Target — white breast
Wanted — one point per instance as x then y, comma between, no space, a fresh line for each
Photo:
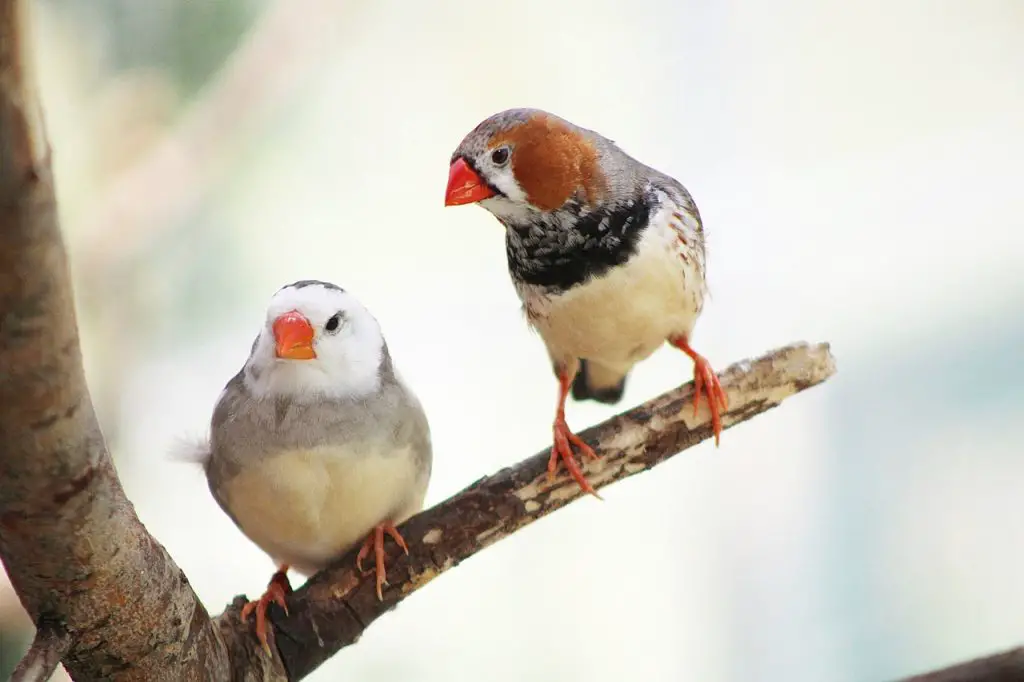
623,316
306,507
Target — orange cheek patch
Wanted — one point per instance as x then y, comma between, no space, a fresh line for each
551,162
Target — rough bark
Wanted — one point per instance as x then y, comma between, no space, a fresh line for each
1006,666
74,550
51,644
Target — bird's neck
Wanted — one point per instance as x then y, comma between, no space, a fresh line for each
303,381
560,249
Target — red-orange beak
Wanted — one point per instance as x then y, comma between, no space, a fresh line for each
293,335
464,185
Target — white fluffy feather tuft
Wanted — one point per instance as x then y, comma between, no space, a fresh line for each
190,449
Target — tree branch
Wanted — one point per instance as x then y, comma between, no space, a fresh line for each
1006,666
74,550
333,609
50,645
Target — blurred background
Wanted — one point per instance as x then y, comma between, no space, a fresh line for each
858,168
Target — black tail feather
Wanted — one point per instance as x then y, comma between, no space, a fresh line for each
581,389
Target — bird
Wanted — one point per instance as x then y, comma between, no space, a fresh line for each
317,444
607,256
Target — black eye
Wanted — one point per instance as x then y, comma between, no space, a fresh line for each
499,157
333,323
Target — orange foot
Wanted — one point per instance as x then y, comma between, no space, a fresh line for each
375,540
565,439
277,588
562,449
705,381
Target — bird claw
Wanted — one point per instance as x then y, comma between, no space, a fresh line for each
277,589
564,440
706,383
375,541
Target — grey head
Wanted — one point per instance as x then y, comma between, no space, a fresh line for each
573,203
531,160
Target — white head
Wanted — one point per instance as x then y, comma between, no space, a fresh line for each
318,341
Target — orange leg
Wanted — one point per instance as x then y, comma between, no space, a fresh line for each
375,540
277,588
565,439
705,381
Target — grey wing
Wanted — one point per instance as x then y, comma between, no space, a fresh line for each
413,428
421,442
682,197
218,465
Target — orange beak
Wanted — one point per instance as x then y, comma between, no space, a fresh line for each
464,185
293,335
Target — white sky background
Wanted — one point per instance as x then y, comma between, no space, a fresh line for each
858,168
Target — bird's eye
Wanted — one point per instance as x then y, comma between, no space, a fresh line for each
333,323
499,157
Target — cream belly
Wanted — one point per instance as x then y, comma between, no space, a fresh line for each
306,507
624,316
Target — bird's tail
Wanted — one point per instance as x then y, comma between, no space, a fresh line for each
600,383
191,449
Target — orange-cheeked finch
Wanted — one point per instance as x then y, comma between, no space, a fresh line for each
606,254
